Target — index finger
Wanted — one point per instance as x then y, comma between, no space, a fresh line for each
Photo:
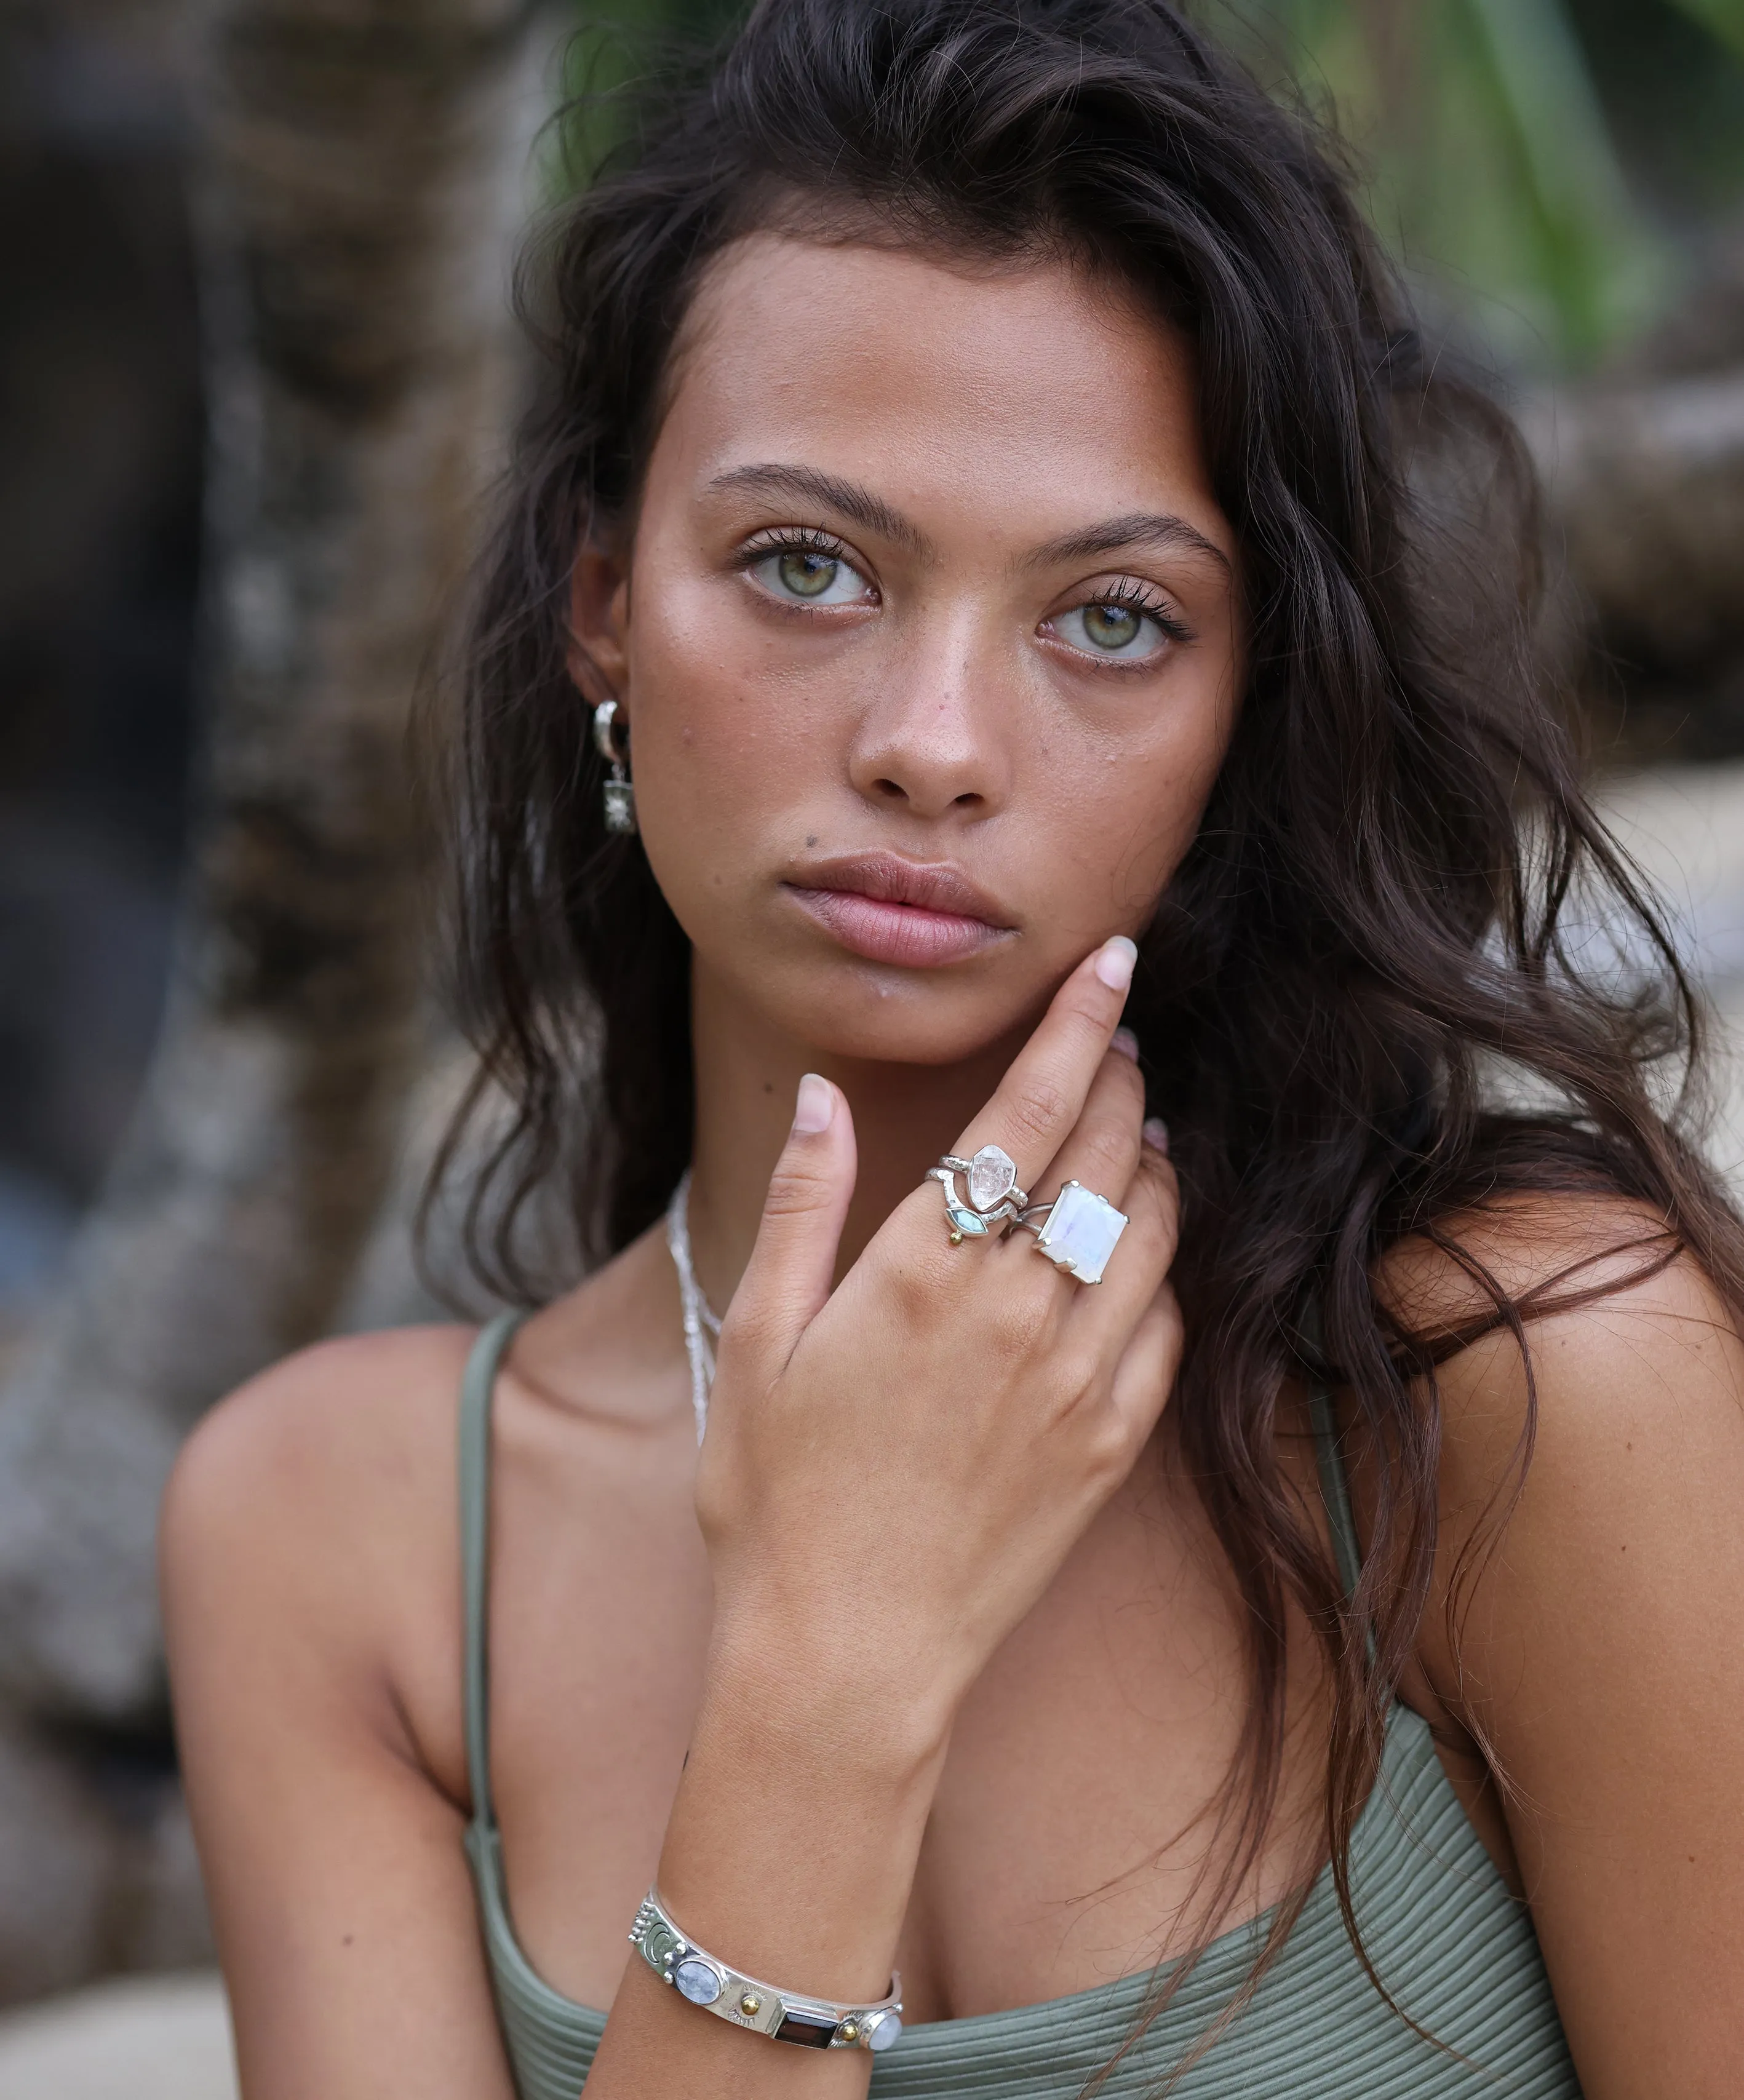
1036,1105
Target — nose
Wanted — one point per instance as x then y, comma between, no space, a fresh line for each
933,736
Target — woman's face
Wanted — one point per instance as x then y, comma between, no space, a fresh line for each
928,643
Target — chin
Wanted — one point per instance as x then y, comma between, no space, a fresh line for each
888,1016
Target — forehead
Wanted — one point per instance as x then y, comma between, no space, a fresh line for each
1033,392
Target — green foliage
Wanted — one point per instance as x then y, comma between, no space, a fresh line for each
1725,18
1490,162
1488,165
612,45
1488,159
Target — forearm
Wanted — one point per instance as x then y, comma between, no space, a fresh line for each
790,1854
849,1624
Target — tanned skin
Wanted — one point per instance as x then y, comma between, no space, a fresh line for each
933,1661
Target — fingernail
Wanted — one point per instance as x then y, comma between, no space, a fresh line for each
1156,1134
1114,965
815,1106
1126,1043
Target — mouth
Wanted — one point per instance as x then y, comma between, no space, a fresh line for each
918,916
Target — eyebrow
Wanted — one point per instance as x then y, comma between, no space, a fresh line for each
1138,528
849,500
808,485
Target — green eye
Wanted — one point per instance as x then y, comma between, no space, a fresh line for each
811,574
1112,630
1111,626
806,573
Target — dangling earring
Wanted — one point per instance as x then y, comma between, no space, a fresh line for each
621,790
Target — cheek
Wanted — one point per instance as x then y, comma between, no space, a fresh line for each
727,742
690,688
1119,816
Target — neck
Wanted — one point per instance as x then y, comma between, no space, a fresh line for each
748,1072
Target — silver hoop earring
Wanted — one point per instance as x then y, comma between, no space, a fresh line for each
620,789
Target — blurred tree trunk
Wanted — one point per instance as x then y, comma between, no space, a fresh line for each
1643,471
363,165
1646,482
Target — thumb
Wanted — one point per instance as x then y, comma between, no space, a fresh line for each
792,1265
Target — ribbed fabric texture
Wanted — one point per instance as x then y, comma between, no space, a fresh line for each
1455,1949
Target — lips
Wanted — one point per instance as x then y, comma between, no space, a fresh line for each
889,910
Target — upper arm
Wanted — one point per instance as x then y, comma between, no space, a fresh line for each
1597,1650
298,1529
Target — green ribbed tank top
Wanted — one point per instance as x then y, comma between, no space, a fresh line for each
1455,1949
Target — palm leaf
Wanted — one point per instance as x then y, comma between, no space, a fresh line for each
1491,169
1725,18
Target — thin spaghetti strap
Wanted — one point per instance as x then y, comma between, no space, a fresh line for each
477,1387
1334,1489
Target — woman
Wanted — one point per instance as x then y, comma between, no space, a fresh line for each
989,507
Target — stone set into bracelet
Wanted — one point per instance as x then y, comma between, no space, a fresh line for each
788,2016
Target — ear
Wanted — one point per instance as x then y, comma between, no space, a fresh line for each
599,660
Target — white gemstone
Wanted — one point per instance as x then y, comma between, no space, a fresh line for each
1081,1232
699,1980
992,1175
620,805
883,2030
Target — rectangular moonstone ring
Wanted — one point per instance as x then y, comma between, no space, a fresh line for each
1082,1229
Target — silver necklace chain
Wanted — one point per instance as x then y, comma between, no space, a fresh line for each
702,1326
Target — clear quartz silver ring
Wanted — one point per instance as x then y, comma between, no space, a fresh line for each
1078,1231
993,1197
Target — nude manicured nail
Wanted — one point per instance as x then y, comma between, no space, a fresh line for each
1114,965
816,1106
1156,1134
1126,1043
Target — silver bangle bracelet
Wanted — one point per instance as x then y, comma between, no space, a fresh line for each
783,2015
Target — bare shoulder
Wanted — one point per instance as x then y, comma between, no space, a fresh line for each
1540,1250
1623,1333
363,1421
311,1608
1592,1480
308,1535
310,1529
1586,1632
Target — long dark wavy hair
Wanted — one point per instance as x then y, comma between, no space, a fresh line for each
1383,933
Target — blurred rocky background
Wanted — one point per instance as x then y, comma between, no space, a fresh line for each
254,370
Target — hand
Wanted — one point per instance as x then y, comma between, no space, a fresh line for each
894,1471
